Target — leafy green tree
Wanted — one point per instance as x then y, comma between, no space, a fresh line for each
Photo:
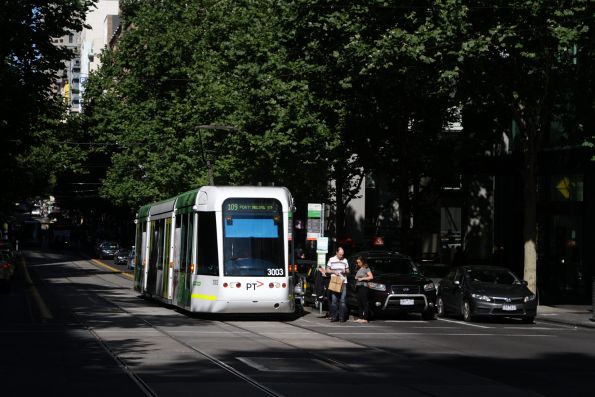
33,123
305,91
203,63
383,75
520,54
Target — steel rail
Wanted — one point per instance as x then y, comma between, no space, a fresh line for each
209,357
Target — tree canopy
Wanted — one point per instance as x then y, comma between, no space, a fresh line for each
34,127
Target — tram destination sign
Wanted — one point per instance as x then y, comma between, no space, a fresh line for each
239,207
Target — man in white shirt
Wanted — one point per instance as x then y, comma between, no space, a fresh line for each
338,265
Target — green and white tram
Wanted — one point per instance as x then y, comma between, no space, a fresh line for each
218,249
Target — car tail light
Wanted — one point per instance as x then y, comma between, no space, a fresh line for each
238,285
284,285
271,285
225,285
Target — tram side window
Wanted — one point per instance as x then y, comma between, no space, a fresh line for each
183,241
153,245
189,237
167,242
159,240
138,242
207,259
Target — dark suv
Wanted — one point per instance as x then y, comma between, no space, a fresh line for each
398,285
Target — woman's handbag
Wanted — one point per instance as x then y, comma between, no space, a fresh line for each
336,283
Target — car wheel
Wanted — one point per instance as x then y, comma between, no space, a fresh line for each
440,307
466,311
528,319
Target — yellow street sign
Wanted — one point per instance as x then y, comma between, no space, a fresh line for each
564,187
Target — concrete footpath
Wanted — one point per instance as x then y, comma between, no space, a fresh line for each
574,315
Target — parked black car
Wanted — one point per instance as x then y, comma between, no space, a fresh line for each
121,256
476,291
7,269
398,285
107,249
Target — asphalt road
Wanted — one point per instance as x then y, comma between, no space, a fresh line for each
74,326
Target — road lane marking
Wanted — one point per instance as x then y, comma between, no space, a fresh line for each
130,276
463,323
438,334
44,311
404,321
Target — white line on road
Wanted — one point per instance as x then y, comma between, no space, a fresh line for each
438,334
463,323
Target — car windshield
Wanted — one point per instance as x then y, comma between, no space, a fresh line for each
434,271
492,276
392,265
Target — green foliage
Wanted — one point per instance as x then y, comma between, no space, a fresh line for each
34,128
204,63
312,90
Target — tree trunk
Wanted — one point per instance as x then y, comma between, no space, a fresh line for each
404,184
405,216
530,214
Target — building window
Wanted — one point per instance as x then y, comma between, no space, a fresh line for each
70,38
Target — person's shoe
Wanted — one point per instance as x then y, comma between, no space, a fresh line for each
363,321
334,320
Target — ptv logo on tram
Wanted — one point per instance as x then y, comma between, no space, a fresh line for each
253,286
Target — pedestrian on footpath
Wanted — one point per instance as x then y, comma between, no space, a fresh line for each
362,277
338,265
321,282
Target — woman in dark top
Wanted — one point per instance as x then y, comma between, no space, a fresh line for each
363,275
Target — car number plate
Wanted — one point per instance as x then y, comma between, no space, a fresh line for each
509,307
406,302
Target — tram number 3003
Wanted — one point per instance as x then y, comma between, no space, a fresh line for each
274,272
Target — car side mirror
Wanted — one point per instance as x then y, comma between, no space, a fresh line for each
524,282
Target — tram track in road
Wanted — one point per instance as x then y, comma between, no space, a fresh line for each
281,340
147,390
242,330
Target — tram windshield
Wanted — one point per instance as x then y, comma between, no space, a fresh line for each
253,243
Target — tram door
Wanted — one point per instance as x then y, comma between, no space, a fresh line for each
140,257
152,262
160,257
176,258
